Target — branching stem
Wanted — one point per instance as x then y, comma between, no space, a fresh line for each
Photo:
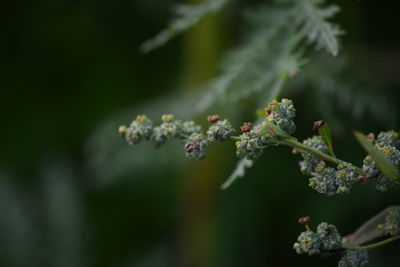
374,245
292,142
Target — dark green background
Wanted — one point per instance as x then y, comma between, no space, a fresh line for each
70,73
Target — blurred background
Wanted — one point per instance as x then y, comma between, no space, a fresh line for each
73,193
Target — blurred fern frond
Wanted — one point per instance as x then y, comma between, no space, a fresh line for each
268,58
359,95
273,52
186,15
314,22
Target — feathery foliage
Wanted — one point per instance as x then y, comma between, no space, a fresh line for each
186,15
315,25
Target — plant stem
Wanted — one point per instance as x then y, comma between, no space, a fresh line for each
235,138
302,147
374,245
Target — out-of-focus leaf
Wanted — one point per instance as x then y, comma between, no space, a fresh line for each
186,16
239,171
382,162
368,231
110,157
358,95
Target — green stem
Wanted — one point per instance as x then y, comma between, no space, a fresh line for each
374,245
292,142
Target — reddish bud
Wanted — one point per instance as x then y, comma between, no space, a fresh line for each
246,127
318,126
213,118
304,220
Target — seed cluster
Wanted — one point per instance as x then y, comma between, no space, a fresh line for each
392,223
220,131
330,181
251,144
354,258
282,114
195,141
388,143
140,128
310,161
326,238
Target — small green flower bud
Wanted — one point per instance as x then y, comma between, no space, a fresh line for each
282,114
390,138
311,161
371,170
392,223
190,127
158,138
329,181
220,131
122,130
307,243
247,147
354,258
196,146
346,177
324,183
167,117
329,236
140,128
172,129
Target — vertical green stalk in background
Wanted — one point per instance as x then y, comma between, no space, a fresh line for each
199,183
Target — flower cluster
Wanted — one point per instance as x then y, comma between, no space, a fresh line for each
354,258
282,114
140,128
326,238
332,181
310,162
220,130
195,142
308,242
388,143
251,144
390,138
392,223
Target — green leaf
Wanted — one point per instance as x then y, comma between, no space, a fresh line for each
368,231
381,160
239,171
269,128
325,132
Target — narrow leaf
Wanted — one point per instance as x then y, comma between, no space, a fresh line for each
368,230
325,132
381,160
269,128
